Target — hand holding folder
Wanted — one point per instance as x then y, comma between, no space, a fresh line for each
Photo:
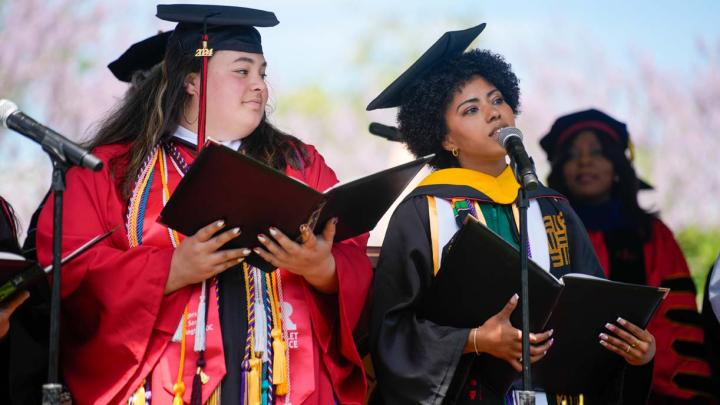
225,184
480,271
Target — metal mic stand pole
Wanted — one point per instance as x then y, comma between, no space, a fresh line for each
527,395
51,392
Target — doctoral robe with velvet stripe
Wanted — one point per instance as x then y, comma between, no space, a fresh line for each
680,368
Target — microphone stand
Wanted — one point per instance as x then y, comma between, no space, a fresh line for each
527,395
52,391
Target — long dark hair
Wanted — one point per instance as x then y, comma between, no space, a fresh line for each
150,113
624,189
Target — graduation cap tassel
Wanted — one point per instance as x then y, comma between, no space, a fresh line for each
204,53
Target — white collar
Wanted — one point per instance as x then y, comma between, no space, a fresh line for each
190,137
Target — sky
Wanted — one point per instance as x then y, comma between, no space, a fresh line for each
311,40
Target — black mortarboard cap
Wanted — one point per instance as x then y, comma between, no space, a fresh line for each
451,44
567,126
228,28
140,56
204,29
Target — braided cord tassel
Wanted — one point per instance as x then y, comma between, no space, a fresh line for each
179,387
251,364
279,346
268,357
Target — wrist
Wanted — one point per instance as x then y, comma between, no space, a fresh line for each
472,345
324,276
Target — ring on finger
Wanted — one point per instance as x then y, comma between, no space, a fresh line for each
635,344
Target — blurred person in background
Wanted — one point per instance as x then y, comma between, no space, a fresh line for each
591,157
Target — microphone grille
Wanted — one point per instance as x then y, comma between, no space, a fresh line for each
7,107
506,133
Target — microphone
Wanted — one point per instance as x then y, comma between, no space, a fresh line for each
54,143
511,140
385,131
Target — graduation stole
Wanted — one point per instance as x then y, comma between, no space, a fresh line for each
159,157
265,365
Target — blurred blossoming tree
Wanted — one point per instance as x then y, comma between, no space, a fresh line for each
50,66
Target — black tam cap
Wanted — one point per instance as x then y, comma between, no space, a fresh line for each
229,28
451,44
140,56
566,127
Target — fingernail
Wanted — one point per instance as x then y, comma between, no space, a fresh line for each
303,228
273,231
245,252
256,250
610,326
515,298
621,321
603,336
240,259
236,231
551,341
334,221
545,352
602,342
220,223
262,238
552,331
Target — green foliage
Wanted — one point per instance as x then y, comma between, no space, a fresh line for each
701,248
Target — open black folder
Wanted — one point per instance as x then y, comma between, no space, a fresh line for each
480,272
225,184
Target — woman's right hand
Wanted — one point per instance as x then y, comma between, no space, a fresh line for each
500,339
197,258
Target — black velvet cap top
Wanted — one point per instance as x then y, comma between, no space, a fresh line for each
140,56
450,45
228,28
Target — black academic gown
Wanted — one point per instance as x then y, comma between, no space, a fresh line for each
24,351
417,361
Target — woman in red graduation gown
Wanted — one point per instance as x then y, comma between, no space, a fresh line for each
149,315
589,165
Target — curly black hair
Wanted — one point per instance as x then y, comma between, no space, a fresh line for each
421,116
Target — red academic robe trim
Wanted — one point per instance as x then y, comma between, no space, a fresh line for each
664,260
117,320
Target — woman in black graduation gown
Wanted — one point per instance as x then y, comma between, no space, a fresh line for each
452,104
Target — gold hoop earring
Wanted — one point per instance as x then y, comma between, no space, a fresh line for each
455,152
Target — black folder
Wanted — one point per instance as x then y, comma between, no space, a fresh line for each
225,184
480,272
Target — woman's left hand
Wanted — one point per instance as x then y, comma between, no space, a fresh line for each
311,259
635,345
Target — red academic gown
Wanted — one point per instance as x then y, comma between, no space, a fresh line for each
117,321
665,266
